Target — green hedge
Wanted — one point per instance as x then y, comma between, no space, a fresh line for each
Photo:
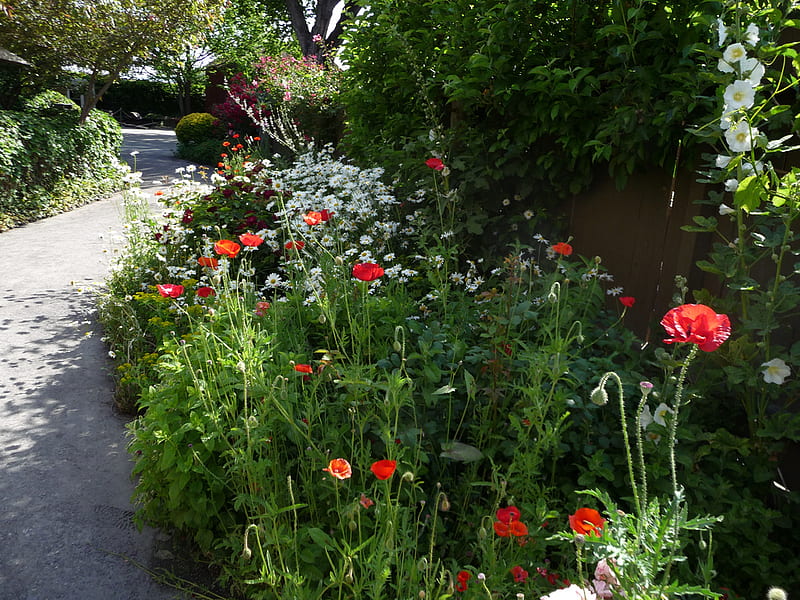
50,162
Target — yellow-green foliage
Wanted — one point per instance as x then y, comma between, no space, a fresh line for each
196,127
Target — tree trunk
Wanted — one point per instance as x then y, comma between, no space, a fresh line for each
327,42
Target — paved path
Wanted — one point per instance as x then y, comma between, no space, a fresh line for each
65,488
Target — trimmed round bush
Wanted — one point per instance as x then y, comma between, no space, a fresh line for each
196,127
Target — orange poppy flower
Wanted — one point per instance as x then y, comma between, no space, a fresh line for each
227,248
313,218
304,368
208,261
251,240
294,245
383,469
339,468
586,521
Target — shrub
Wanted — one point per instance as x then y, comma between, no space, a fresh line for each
50,162
197,127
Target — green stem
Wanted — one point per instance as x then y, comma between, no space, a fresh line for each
673,426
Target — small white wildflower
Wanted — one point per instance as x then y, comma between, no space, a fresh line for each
528,214
724,209
506,201
615,291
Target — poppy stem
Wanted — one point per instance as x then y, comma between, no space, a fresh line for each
673,426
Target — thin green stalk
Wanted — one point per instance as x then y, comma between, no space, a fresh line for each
673,426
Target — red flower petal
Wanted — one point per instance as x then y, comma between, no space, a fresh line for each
367,271
383,469
586,521
251,240
508,514
435,163
339,468
696,324
562,248
627,301
170,290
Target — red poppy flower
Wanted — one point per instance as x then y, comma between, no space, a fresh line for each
208,261
205,291
366,502
251,240
367,271
159,193
339,468
170,290
304,368
256,139
261,308
435,163
586,521
226,143
227,248
697,324
325,214
520,574
512,529
313,217
462,577
383,469
627,301
508,514
294,245
562,248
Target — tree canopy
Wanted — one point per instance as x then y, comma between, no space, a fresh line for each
102,38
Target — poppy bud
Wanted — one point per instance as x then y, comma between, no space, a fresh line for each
322,318
408,476
776,593
421,595
599,396
422,564
339,260
580,539
246,553
397,346
352,525
444,505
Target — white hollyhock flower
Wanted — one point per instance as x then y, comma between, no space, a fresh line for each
722,31
776,371
726,121
751,34
748,168
722,161
740,136
660,416
646,417
724,209
739,94
753,69
731,185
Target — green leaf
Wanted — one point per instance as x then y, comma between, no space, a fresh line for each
750,193
461,452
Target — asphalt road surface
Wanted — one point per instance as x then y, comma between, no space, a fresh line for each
65,487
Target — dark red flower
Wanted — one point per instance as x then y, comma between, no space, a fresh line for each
586,521
520,574
294,245
251,240
562,248
462,577
227,248
205,291
697,324
435,163
170,290
367,271
627,301
383,469
326,215
188,216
